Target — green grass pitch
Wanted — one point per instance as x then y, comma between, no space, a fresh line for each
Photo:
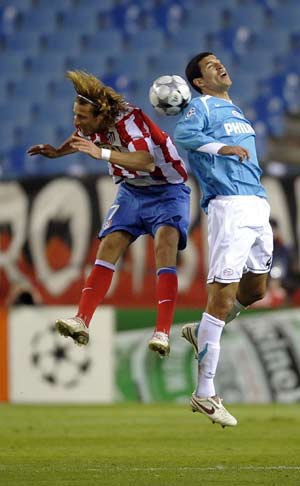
136,444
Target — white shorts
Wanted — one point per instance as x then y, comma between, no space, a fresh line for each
240,237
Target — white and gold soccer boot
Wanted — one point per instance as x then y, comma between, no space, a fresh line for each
190,332
159,343
213,408
75,328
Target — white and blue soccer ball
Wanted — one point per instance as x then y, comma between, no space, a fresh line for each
169,94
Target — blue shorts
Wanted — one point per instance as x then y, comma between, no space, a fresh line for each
142,210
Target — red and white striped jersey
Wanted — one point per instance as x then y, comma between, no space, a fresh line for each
133,131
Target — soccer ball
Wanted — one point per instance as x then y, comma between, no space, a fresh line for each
169,94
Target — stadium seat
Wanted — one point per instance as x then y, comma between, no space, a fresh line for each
101,39
43,133
60,89
39,19
47,112
89,61
258,60
148,39
287,17
18,4
12,111
60,41
55,4
51,63
23,41
11,64
171,62
276,40
205,18
191,39
31,88
243,89
81,18
251,16
134,64
104,5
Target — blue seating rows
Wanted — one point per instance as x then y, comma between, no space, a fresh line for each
130,43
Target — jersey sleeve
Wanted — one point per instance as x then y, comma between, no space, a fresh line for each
191,129
135,133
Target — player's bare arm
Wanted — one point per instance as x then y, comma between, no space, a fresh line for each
51,152
140,160
241,152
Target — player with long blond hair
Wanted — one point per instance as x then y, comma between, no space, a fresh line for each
152,198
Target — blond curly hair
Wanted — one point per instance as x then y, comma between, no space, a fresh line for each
91,90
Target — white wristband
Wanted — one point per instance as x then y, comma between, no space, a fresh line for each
105,154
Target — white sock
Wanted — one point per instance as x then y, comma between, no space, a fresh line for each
209,335
235,311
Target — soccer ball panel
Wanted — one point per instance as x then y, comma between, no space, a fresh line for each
169,94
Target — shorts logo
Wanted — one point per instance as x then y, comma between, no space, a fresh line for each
107,224
228,272
268,263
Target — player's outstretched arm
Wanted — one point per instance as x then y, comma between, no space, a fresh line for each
140,160
51,152
241,152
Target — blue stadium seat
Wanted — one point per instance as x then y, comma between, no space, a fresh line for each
258,61
251,16
205,18
11,64
243,88
191,39
104,5
60,89
47,112
23,41
91,62
39,19
101,39
81,18
287,17
51,63
173,61
55,4
273,39
12,111
43,133
18,4
60,41
148,39
134,64
34,87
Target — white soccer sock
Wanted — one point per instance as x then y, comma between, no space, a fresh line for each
209,335
235,311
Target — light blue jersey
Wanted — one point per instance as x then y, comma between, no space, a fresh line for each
209,121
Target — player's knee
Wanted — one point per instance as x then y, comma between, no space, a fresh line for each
220,307
257,294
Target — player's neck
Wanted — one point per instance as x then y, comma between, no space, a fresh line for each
218,94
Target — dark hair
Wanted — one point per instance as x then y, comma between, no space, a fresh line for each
193,70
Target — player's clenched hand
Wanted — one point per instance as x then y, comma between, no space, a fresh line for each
43,149
241,152
86,146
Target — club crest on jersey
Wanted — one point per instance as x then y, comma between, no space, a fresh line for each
238,114
190,113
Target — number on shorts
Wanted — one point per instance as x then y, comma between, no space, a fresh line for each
114,208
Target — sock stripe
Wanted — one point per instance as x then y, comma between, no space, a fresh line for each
162,270
105,264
